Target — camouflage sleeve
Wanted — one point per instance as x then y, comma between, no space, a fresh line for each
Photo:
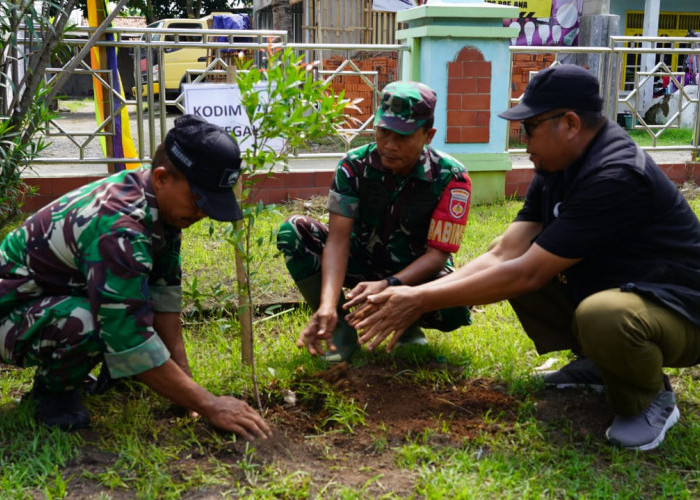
450,216
117,266
343,198
165,279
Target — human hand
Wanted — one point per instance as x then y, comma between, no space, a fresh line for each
363,290
391,311
231,414
319,331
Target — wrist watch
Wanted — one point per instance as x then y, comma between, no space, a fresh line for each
393,281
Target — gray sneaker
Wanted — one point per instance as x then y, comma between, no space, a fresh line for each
580,373
647,430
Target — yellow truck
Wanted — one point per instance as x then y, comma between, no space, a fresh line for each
177,61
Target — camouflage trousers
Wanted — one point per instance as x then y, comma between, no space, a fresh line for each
301,240
56,334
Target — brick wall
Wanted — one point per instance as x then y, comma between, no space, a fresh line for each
50,188
354,85
468,97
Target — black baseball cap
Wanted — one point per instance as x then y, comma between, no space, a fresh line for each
562,86
210,159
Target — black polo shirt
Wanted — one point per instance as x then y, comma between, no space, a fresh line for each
615,209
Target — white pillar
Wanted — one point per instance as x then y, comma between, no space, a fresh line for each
651,28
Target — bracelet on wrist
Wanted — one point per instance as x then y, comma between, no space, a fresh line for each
393,281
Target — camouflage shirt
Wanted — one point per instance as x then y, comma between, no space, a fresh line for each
397,217
103,241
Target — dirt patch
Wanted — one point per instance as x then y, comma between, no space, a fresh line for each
437,407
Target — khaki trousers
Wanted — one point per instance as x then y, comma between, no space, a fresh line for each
629,337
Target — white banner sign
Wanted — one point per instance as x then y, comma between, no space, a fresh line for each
220,103
392,5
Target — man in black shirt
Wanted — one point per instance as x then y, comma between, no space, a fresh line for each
603,259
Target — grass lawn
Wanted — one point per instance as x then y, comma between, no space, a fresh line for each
669,137
461,418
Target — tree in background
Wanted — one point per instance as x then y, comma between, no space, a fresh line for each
153,10
28,40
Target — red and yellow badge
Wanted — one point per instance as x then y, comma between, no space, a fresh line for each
459,203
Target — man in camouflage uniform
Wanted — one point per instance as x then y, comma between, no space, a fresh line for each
95,277
397,210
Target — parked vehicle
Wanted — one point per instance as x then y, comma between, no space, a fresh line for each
177,61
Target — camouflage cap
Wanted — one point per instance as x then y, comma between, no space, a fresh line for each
405,107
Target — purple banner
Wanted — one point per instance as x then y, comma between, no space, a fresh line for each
561,28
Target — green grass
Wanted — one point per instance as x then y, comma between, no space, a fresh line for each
73,105
141,447
669,137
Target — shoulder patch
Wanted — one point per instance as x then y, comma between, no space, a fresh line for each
459,202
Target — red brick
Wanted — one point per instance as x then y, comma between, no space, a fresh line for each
470,54
34,203
256,195
474,134
516,190
454,70
453,135
299,179
461,86
483,118
693,174
43,185
454,101
510,190
468,67
520,175
461,118
275,181
483,85
478,69
62,185
323,179
477,102
677,172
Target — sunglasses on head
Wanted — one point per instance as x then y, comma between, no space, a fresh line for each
529,127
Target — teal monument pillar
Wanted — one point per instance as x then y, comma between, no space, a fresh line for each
460,49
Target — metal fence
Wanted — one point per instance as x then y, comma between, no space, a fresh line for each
632,93
152,108
149,119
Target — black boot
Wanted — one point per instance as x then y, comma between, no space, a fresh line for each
413,335
344,336
64,409
100,384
